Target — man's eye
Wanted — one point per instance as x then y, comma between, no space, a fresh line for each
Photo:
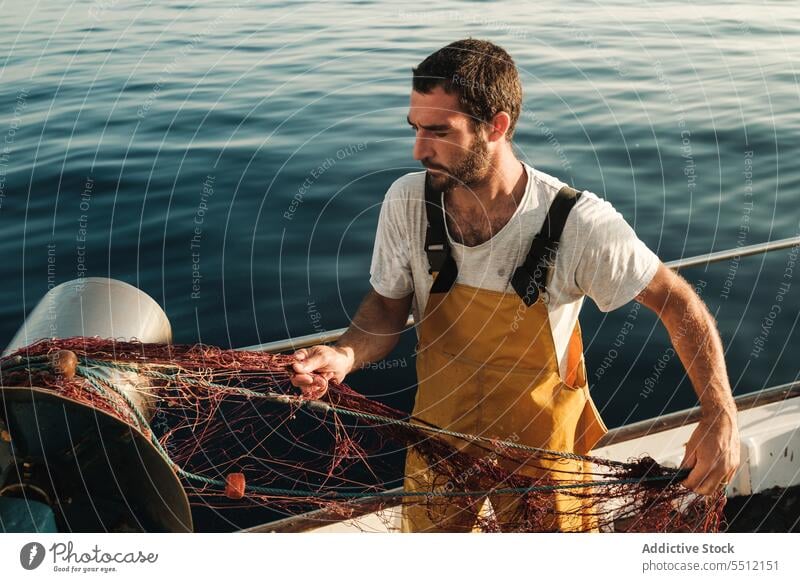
441,134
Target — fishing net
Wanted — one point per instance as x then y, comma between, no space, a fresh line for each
236,432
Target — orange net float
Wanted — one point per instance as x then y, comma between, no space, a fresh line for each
64,362
234,485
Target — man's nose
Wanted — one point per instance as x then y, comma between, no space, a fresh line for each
422,148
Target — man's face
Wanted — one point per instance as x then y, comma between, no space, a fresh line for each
445,142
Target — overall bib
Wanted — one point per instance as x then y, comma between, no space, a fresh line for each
487,366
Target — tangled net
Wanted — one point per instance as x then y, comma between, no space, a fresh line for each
235,430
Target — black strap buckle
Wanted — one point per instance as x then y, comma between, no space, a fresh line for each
437,254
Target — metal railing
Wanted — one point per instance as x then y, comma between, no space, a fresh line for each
313,339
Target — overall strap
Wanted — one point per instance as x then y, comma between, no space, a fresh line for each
530,278
437,247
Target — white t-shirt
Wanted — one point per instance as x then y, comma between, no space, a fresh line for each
599,254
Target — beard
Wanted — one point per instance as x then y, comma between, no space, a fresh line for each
470,170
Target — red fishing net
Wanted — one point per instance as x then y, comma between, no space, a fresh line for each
236,432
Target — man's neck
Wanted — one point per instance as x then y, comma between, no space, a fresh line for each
507,179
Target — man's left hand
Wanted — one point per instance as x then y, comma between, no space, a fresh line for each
712,452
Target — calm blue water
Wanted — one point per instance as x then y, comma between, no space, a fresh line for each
275,130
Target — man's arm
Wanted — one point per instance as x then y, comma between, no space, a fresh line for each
373,333
713,448
375,329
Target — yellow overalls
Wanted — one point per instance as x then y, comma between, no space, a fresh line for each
487,366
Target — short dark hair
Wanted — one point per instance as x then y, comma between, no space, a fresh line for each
482,74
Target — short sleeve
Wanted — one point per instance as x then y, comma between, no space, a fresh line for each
390,271
615,265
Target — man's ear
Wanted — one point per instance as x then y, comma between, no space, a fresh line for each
498,126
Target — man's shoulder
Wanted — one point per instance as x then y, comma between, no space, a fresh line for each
547,187
594,211
410,187
590,211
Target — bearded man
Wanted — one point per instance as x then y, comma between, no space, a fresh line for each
494,257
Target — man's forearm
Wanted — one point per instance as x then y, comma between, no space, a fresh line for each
375,329
694,336
712,451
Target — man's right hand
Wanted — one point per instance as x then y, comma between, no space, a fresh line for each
318,364
372,334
